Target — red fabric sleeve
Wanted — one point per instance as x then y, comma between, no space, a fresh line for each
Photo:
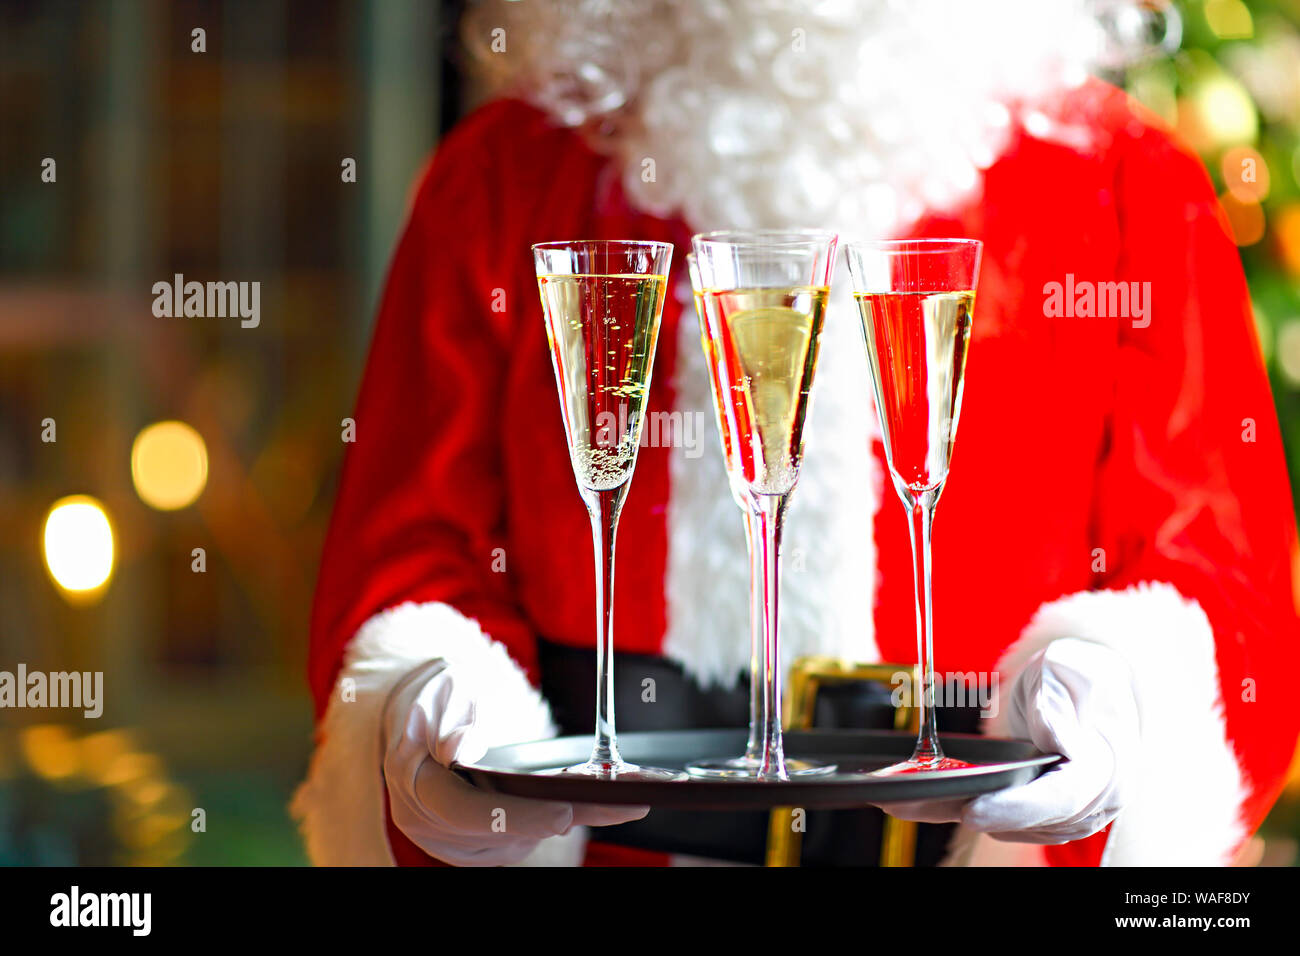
1193,490
420,506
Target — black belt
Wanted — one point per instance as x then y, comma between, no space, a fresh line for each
833,837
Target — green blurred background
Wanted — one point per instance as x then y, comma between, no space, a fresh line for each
225,164
220,165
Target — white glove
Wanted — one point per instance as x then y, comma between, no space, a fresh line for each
1074,698
431,720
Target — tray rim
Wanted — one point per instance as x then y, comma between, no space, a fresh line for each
722,794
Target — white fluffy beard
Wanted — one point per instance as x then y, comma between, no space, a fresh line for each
855,115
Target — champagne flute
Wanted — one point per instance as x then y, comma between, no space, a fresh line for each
761,298
602,301
916,299
747,763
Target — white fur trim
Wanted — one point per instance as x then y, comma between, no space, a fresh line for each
829,555
340,806
1185,808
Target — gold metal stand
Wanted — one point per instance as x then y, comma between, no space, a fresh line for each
807,676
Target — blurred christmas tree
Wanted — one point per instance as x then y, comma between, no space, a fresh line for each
1233,93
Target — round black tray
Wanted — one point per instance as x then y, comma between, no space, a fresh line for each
520,770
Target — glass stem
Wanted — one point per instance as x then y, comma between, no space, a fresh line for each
767,531
921,517
604,508
754,748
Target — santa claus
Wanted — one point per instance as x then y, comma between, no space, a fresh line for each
1117,536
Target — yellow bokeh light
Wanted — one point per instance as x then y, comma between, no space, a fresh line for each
101,751
1217,112
50,751
1227,111
169,465
127,768
1229,19
78,543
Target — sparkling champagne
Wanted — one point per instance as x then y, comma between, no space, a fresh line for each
916,344
761,346
602,331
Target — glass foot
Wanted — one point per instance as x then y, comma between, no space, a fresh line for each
621,770
921,765
746,768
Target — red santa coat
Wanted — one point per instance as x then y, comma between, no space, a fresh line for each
1118,480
